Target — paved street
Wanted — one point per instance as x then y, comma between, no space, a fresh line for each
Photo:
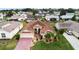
72,40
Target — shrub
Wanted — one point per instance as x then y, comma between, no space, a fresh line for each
48,36
61,31
17,36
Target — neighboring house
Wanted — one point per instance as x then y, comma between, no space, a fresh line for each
18,17
68,16
8,29
39,14
77,17
51,17
70,26
1,16
64,25
77,13
56,12
30,18
29,13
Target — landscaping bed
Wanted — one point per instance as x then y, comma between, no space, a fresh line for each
62,44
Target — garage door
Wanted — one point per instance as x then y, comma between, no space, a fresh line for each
26,34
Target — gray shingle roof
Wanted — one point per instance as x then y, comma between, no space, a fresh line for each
9,28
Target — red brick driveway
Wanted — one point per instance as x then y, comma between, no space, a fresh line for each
24,44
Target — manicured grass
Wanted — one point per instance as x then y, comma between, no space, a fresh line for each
62,44
8,44
11,44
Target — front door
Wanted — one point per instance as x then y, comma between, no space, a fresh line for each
37,30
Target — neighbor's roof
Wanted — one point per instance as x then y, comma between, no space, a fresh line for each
66,16
71,25
12,25
74,27
17,17
52,16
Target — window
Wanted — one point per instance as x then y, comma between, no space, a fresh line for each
3,34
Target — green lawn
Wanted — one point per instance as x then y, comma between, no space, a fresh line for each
8,44
62,44
11,44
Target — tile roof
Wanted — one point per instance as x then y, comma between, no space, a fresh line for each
45,25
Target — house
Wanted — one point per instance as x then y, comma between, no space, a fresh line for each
77,17
64,25
18,17
77,13
68,16
29,13
30,18
1,16
52,17
39,14
70,26
56,12
38,27
8,29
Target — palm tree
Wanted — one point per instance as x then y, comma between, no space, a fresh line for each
49,36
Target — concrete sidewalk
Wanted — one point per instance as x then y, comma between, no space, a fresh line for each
72,40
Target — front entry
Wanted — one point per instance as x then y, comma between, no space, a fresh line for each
37,30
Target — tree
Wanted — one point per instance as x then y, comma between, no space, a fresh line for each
48,36
27,10
62,12
70,10
9,13
61,31
74,18
51,11
55,29
43,19
34,11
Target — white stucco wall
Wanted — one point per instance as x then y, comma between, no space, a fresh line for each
9,35
13,33
6,33
75,33
26,35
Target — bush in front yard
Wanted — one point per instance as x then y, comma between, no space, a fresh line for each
61,31
17,36
49,36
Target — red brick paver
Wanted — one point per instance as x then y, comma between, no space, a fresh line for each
24,44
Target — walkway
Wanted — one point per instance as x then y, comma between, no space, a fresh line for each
24,44
72,40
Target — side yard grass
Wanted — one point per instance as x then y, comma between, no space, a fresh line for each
11,44
8,44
